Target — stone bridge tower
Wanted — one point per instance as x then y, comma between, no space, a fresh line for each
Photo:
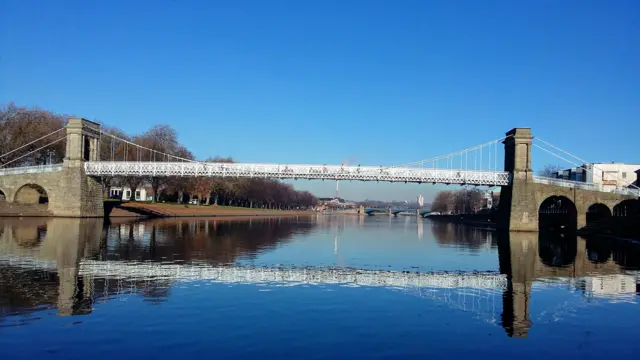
85,196
518,208
83,142
521,201
71,193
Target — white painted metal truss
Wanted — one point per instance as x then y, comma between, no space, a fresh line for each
318,172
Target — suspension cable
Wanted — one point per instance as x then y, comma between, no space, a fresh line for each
452,154
583,161
581,166
31,152
146,148
562,151
36,140
556,155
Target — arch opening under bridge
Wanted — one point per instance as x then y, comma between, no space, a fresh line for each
32,194
627,208
598,212
557,213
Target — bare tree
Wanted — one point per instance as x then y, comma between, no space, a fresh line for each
175,184
550,170
463,201
443,202
468,201
19,126
202,188
160,141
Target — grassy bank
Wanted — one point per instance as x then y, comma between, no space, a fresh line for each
132,209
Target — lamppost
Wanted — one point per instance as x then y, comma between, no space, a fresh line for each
50,153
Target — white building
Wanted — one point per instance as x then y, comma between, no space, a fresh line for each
608,176
611,176
142,193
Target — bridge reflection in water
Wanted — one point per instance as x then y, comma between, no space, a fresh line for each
71,264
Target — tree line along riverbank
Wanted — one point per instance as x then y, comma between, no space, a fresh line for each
21,125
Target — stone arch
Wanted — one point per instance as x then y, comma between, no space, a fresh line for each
3,196
597,212
626,216
557,212
628,208
32,194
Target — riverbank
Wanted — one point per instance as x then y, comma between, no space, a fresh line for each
474,220
134,209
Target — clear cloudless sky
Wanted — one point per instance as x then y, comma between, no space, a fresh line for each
321,81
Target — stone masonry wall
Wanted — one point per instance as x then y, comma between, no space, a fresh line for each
523,198
71,193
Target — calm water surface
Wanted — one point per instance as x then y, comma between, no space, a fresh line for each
310,287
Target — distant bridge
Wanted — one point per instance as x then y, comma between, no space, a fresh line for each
371,211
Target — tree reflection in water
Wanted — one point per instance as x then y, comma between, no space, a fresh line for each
524,258
213,241
67,241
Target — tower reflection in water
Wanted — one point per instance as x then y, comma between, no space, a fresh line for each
41,259
527,257
598,267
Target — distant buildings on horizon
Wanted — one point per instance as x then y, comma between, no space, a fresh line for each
608,176
336,203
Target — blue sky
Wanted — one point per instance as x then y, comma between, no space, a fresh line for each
381,82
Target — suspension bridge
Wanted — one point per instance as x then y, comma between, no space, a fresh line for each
74,189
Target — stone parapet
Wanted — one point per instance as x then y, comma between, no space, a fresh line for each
70,192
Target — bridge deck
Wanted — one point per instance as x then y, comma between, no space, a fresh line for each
310,172
279,171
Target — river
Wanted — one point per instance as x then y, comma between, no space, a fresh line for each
318,287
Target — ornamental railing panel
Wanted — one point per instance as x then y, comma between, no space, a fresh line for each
566,183
319,172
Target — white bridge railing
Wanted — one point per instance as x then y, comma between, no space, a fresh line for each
630,192
583,185
320,172
31,169
566,183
